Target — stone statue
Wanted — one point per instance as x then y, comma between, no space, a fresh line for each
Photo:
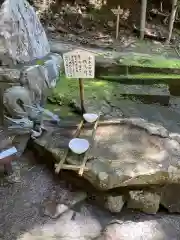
28,68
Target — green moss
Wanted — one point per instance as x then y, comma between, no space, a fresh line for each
145,76
62,111
155,76
68,90
95,90
141,60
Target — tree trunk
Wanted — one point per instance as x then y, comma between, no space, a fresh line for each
172,18
143,18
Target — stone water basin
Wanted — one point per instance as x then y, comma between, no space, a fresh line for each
128,153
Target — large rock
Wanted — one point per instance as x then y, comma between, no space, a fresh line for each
112,203
146,201
141,227
23,38
132,152
170,198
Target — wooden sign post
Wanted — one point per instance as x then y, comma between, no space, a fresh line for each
117,12
79,64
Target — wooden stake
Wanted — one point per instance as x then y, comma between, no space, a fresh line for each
143,18
171,20
117,12
161,6
117,22
62,161
82,167
81,88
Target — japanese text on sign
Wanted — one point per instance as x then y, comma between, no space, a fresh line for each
79,64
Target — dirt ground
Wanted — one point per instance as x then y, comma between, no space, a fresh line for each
94,25
21,208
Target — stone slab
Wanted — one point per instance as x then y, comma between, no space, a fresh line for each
165,116
170,197
131,153
146,201
149,94
108,62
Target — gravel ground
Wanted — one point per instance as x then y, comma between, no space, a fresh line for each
21,207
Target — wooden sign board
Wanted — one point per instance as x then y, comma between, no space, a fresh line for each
117,11
79,64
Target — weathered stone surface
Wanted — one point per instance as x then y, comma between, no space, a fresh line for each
23,38
114,203
145,201
132,152
57,61
9,75
70,226
112,231
10,101
39,78
94,105
149,227
53,209
54,66
165,116
149,94
126,155
35,79
170,198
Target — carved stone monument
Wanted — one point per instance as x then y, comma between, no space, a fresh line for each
28,68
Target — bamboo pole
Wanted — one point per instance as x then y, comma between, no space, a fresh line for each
62,161
82,167
71,167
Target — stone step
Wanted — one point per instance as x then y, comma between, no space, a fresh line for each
113,66
112,62
148,94
143,79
